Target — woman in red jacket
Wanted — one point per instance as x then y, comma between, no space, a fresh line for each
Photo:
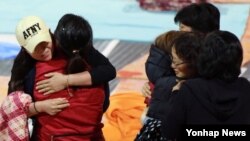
82,119
38,44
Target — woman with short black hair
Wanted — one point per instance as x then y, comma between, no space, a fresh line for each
219,97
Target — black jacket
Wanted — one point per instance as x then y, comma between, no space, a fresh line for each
160,95
158,65
207,102
159,72
103,71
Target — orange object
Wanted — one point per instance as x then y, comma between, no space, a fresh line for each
122,120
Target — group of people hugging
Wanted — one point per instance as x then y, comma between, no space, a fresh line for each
194,81
60,80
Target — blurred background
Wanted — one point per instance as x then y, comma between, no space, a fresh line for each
123,31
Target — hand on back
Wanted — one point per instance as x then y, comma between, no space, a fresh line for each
146,90
55,82
52,106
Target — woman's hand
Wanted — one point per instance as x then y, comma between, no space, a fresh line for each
146,90
55,82
51,106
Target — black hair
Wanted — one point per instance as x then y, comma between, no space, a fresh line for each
203,17
74,36
23,63
214,15
221,56
187,47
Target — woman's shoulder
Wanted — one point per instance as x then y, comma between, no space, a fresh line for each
167,80
208,84
243,80
195,81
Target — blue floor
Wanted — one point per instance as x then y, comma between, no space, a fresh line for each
110,19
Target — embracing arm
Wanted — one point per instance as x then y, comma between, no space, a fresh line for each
57,81
50,106
175,115
102,72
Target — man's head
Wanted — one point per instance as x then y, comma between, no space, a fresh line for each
33,34
201,17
